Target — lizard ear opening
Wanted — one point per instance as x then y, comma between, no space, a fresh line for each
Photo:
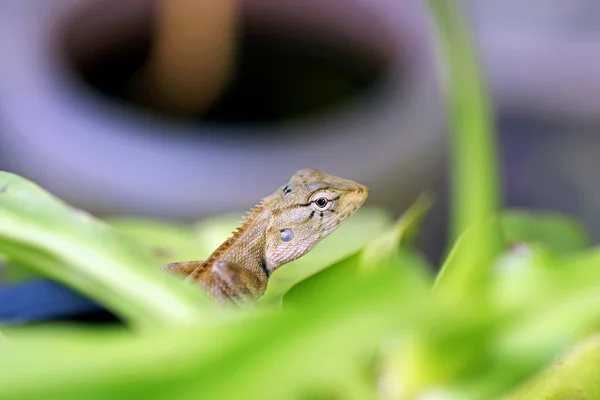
286,234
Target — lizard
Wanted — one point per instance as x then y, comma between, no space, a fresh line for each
281,228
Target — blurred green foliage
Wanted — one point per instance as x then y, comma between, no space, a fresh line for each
558,232
45,235
361,317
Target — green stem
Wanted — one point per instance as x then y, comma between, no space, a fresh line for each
475,178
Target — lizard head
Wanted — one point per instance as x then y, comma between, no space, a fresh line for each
311,206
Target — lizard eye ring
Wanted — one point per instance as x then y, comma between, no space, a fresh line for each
322,202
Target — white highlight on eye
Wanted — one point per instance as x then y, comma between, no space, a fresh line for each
286,234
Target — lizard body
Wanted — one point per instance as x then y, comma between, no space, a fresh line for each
282,228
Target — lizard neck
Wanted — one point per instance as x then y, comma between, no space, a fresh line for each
247,245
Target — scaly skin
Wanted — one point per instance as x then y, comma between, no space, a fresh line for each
282,228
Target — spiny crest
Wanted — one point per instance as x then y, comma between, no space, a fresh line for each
248,218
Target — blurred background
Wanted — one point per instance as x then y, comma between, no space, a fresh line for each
181,109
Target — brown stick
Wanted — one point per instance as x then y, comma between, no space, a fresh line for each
192,57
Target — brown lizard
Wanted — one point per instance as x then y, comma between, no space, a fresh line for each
282,228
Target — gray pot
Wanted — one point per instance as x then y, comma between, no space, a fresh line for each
106,157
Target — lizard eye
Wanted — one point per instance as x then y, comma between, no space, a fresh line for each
322,202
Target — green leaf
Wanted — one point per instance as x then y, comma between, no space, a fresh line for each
14,272
465,276
440,354
48,236
559,233
532,279
533,340
574,376
309,289
268,355
164,241
401,234
553,301
546,303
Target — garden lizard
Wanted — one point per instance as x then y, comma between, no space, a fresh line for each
282,228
